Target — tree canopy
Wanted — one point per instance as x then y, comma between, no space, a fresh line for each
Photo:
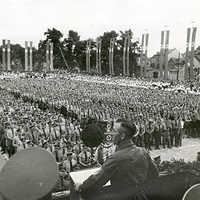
70,52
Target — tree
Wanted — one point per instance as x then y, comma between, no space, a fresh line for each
105,50
118,52
69,45
79,53
17,57
134,52
72,50
39,56
54,36
73,36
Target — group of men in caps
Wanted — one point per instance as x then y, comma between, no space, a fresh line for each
162,117
159,118
24,126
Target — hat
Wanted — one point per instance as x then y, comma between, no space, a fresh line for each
34,179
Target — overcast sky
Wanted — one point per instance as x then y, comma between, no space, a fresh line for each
22,20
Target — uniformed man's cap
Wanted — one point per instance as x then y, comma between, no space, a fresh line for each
29,175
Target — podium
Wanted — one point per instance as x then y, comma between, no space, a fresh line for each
80,177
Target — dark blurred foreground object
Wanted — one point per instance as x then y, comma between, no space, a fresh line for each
92,135
192,193
173,187
170,187
30,174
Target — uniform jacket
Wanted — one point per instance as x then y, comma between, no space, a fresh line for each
129,165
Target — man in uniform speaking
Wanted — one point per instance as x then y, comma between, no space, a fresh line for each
128,167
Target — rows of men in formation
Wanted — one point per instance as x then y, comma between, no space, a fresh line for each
162,117
24,125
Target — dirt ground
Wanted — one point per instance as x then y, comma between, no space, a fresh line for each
188,151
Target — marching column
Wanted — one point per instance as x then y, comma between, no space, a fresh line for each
166,55
8,56
192,53
4,54
186,75
161,60
31,56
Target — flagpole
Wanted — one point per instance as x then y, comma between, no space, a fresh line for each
192,53
124,56
161,55
187,54
166,55
142,56
128,48
146,52
100,57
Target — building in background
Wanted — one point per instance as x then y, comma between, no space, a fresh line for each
175,65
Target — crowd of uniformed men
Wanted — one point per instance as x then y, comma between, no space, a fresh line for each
48,112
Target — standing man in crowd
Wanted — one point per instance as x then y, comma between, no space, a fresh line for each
129,166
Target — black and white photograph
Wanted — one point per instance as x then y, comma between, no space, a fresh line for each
100,100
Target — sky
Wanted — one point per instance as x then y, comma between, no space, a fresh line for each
22,20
